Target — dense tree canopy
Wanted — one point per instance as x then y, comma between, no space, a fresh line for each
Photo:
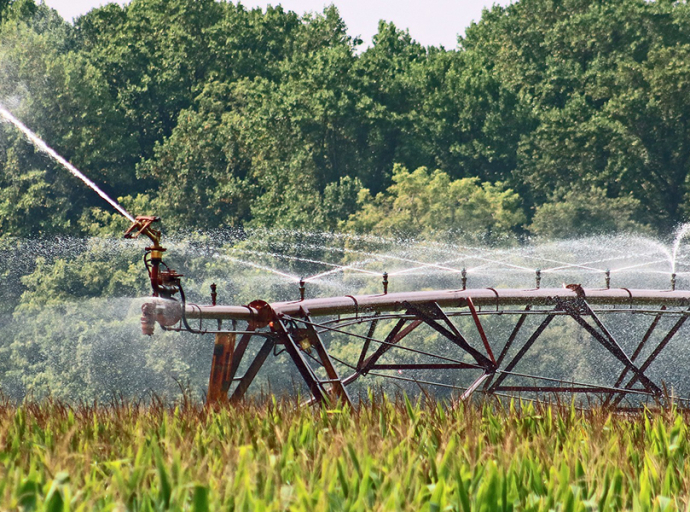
422,202
213,115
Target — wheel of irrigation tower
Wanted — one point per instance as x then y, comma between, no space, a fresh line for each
606,344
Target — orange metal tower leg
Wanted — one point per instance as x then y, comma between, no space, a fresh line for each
218,383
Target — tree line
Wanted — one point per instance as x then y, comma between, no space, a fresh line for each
551,117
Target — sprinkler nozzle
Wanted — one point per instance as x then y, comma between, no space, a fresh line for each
142,226
385,283
148,319
537,277
673,281
301,289
608,279
214,295
165,282
162,311
464,278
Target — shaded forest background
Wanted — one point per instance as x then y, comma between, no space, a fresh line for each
551,117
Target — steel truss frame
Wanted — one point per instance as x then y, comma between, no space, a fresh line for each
297,328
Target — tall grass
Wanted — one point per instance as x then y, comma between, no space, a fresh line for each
389,455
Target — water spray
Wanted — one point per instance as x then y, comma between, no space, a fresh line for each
297,327
681,233
42,146
165,282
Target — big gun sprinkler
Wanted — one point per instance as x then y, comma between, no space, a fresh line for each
165,282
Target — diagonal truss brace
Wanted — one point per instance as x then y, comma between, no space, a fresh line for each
323,391
430,313
576,309
304,343
660,347
604,337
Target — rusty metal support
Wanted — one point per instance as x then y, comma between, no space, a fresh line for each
394,336
227,356
608,342
253,369
223,352
367,342
660,347
640,346
294,350
429,313
508,344
528,344
299,327
636,353
513,335
482,334
337,387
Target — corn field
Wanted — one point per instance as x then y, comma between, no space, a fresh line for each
391,454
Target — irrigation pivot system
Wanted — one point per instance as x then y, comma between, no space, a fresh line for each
429,338
390,332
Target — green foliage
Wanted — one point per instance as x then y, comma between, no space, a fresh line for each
580,212
224,116
390,455
421,202
100,270
597,77
4,4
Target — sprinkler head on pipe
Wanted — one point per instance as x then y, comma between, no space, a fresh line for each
464,278
165,282
148,319
163,312
673,281
301,289
608,279
385,283
537,276
142,226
